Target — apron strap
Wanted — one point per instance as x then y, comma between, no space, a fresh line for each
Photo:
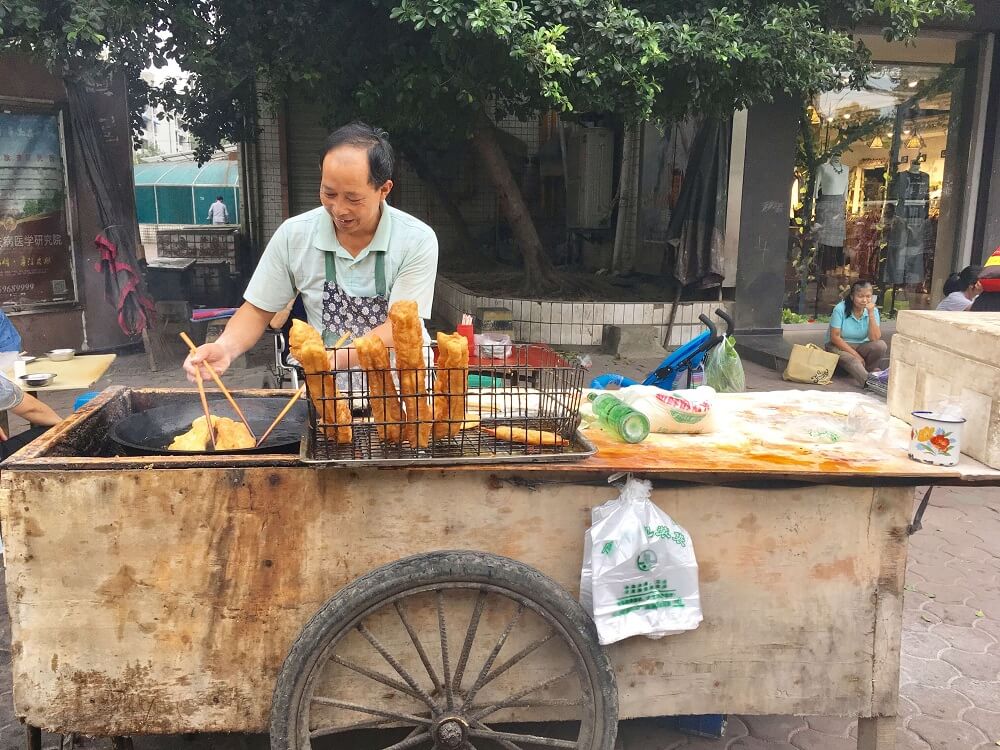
380,285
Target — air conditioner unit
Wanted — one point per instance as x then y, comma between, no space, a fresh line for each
589,172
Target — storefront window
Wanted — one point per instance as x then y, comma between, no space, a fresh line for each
868,196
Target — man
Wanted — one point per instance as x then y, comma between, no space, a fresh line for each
218,213
27,407
349,259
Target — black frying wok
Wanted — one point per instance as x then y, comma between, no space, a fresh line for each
151,431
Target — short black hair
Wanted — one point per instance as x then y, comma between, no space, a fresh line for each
218,197
374,140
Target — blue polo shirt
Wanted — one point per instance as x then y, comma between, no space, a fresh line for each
853,330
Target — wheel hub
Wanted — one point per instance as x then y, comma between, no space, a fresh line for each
451,732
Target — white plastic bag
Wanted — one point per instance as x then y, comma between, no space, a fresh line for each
673,412
640,575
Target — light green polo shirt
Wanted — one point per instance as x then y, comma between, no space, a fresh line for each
294,262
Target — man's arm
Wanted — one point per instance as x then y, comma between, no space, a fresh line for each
34,411
242,332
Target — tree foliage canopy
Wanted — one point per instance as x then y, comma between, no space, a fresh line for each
425,67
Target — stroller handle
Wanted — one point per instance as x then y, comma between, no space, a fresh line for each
721,312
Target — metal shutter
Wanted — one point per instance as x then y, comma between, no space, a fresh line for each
304,136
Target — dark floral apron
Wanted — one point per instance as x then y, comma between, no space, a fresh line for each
343,312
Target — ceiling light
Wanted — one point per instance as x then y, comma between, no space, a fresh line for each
876,142
814,117
915,141
906,132
847,116
912,84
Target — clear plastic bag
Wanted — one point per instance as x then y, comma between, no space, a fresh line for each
639,575
724,369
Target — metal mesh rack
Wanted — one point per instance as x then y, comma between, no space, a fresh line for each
449,422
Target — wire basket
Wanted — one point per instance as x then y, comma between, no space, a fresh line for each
448,422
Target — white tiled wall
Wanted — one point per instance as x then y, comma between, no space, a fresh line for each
269,161
573,323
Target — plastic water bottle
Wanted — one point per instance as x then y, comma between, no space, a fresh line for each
619,418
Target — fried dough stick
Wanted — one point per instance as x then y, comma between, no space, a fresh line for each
382,395
450,384
407,335
527,437
306,344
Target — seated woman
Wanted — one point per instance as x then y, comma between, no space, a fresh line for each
28,408
855,334
961,290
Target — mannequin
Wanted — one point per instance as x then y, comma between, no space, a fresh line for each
908,230
832,179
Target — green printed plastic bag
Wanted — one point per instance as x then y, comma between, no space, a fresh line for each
723,368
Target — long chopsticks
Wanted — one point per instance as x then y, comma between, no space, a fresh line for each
225,391
204,406
281,415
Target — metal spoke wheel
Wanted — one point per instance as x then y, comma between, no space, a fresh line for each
449,651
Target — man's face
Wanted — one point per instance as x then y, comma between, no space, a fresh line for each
346,194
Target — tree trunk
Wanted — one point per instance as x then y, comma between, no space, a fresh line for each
444,197
623,258
539,274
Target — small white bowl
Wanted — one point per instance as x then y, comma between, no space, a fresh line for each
61,355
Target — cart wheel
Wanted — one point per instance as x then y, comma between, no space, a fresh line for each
398,650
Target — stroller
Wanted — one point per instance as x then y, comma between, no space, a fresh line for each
682,360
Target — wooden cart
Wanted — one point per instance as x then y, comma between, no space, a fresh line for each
212,594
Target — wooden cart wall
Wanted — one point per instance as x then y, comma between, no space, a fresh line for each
165,601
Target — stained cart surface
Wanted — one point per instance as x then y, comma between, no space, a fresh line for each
161,594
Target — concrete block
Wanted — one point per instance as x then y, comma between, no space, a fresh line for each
922,373
634,341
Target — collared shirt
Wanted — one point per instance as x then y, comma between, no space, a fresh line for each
955,302
294,262
853,330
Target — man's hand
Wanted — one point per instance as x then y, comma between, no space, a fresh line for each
3,436
212,354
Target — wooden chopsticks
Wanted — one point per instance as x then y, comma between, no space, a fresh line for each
215,376
204,406
281,415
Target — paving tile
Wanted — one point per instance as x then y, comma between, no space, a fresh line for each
776,728
977,666
988,722
905,708
923,645
735,727
939,703
985,695
703,743
810,739
648,734
965,639
946,735
945,593
930,556
751,743
953,614
907,740
934,573
833,725
919,620
927,672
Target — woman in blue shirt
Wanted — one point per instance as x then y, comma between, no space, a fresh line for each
855,334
